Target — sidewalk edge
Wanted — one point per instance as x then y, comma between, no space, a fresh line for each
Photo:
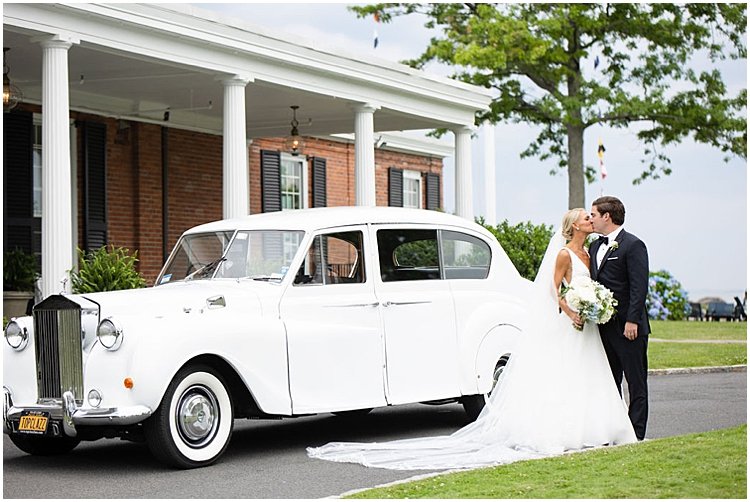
737,368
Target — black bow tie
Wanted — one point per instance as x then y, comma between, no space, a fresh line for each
604,240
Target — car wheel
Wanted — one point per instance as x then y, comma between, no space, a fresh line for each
44,446
473,405
192,425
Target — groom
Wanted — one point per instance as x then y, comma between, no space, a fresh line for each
619,261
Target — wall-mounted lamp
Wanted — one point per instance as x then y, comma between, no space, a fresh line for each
294,142
12,95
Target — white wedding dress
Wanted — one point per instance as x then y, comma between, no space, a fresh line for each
556,395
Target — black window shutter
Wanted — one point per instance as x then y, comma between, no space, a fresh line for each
432,191
270,180
319,182
18,210
395,187
94,185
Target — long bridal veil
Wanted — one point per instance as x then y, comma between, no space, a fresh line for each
528,414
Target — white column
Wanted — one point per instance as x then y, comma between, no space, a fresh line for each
364,155
57,202
464,198
488,137
235,180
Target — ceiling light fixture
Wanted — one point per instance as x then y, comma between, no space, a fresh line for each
12,95
294,142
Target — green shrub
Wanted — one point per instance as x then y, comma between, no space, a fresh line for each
666,299
106,269
525,244
20,270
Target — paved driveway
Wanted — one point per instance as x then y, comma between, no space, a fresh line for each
267,459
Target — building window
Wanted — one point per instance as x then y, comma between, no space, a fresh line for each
293,182
293,195
37,165
413,189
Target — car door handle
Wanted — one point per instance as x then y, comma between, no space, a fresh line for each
396,304
374,304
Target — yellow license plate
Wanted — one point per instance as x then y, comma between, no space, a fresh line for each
33,423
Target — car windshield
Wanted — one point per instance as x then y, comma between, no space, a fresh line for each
263,255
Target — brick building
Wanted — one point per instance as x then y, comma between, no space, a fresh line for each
139,121
129,206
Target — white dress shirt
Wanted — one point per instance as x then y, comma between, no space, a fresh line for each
604,247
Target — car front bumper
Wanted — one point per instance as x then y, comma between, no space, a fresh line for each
67,412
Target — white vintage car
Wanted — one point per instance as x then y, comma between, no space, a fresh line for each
266,316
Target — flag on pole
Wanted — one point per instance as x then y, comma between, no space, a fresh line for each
375,16
600,153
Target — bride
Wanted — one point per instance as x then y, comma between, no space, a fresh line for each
556,394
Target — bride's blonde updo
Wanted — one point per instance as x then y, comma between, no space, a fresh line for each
567,222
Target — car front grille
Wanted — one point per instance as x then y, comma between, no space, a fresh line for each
59,355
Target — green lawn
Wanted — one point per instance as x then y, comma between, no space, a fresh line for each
696,466
691,355
662,355
694,330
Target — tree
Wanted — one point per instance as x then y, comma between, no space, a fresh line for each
533,55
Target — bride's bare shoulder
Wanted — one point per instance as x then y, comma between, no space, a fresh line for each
563,257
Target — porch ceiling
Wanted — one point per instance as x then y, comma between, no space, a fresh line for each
116,77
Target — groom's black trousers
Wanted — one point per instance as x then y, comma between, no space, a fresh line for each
629,358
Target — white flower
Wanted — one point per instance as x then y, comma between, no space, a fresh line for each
593,301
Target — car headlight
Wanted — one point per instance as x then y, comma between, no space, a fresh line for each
109,334
16,336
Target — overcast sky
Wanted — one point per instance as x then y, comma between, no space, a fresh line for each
694,222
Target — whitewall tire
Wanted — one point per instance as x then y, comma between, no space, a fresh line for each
193,424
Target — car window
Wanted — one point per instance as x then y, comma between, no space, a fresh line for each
193,254
263,255
408,254
258,254
464,256
334,258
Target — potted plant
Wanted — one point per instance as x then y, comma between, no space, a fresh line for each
108,268
20,273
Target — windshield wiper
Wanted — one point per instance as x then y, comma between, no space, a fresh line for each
206,270
265,278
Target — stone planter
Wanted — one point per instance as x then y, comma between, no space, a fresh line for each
14,303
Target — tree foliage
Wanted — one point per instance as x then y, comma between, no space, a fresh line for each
539,58
524,243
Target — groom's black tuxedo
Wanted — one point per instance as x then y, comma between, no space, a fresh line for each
624,271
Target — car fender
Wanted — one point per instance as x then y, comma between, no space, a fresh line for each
483,341
498,342
19,367
151,355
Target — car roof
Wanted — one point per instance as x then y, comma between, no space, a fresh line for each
324,217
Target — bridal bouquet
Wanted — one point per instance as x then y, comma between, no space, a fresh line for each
593,301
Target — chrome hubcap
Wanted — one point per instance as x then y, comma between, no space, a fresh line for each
197,416
496,377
